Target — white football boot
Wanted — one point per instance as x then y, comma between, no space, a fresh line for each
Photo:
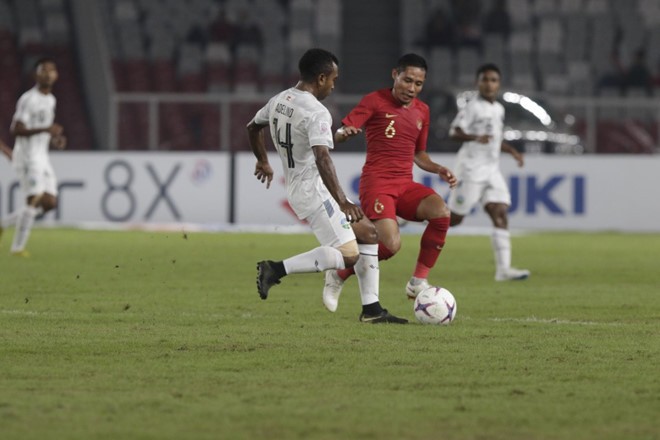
413,290
512,274
332,290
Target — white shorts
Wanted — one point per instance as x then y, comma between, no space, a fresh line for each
330,225
468,193
37,178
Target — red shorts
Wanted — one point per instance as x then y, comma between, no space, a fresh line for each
391,199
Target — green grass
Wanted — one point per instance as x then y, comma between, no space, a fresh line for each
107,335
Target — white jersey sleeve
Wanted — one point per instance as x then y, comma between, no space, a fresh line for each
22,113
319,129
463,119
261,117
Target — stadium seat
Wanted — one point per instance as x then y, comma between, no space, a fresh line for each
468,61
441,64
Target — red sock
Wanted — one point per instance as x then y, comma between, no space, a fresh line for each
431,245
383,252
345,273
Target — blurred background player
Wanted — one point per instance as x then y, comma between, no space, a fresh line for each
479,125
396,124
35,131
301,129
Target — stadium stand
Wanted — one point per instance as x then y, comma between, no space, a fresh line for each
578,48
232,46
30,29
570,48
554,45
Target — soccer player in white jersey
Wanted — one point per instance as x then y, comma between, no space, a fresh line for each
301,129
35,131
479,125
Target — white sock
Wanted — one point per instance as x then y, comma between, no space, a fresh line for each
11,218
317,260
501,242
367,273
23,227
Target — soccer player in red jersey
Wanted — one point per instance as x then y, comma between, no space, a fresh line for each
396,125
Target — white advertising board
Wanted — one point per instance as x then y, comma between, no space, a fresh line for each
587,193
132,187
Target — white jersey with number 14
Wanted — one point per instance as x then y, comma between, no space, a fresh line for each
297,122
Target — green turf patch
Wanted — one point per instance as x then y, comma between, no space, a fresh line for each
163,336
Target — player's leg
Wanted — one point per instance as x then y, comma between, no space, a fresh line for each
380,208
338,249
12,218
47,203
24,223
367,237
421,203
37,181
367,271
497,200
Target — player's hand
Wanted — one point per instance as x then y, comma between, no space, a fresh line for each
6,150
264,173
345,132
55,130
520,159
58,142
353,212
449,177
483,138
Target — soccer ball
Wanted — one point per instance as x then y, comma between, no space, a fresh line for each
435,305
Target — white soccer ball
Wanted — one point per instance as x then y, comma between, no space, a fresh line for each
435,305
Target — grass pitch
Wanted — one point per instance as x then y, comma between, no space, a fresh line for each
142,335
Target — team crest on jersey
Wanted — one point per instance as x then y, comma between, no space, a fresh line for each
378,207
324,127
419,124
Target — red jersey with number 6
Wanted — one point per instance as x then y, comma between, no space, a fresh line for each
394,134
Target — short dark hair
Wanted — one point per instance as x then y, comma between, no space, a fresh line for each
43,60
488,67
314,62
411,60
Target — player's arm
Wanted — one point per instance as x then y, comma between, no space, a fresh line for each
355,119
18,128
457,134
346,132
329,176
262,170
6,150
423,160
517,155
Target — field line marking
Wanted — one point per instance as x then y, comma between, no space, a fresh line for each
535,320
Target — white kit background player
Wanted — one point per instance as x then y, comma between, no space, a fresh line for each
301,129
35,131
479,125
